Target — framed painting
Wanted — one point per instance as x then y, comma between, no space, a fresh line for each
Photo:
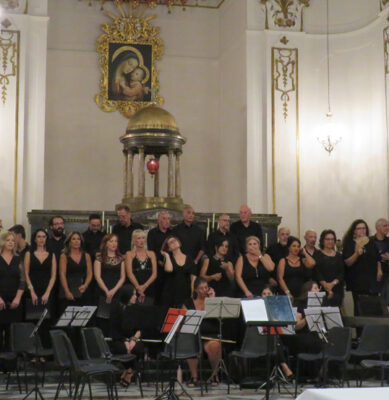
128,51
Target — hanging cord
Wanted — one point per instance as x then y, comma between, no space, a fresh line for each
328,61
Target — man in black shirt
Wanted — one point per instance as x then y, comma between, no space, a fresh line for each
310,243
21,244
93,236
223,233
55,242
277,251
124,228
155,239
191,236
245,228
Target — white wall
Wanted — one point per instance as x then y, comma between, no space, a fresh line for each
83,154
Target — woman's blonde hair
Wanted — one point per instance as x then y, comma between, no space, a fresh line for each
253,238
137,232
3,238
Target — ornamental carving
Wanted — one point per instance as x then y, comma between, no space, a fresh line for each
284,75
284,14
128,51
386,49
9,53
14,6
384,3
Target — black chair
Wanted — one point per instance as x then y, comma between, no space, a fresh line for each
27,347
10,358
254,346
373,343
95,348
80,370
182,347
337,349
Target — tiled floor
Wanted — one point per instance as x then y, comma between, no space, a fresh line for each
99,392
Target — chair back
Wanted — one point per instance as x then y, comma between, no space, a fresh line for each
21,342
184,345
339,343
255,344
61,355
93,344
374,339
74,362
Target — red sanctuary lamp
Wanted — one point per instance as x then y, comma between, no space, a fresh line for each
153,166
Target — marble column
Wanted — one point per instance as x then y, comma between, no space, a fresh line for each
141,173
156,181
170,174
130,174
178,176
125,174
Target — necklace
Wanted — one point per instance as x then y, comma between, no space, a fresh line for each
294,262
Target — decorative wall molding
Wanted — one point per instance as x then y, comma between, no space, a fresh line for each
285,145
284,75
284,14
9,50
14,6
386,49
384,4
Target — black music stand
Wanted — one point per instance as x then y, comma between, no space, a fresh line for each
271,311
315,299
188,323
222,308
322,319
34,335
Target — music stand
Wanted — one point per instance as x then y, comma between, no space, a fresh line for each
75,316
178,321
271,311
221,308
34,335
322,319
315,299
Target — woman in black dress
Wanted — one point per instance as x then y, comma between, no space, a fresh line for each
12,284
329,268
110,276
290,269
41,272
363,268
124,329
252,270
180,273
219,271
75,272
141,267
41,269
209,328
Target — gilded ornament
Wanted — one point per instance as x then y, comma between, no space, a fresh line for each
284,40
284,77
128,51
8,59
284,13
386,49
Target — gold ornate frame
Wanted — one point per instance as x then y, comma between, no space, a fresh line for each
130,33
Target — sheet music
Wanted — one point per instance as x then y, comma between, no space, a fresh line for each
223,307
83,315
315,320
254,310
289,330
69,313
192,322
315,299
175,326
332,317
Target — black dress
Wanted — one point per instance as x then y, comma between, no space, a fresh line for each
40,273
11,280
294,278
178,283
255,278
142,271
327,269
222,287
75,276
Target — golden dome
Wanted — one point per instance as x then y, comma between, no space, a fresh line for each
152,117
